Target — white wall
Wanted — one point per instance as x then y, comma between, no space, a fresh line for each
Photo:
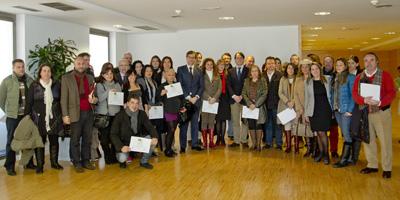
33,30
118,46
280,41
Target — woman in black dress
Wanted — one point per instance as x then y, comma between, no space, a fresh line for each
318,109
43,104
224,109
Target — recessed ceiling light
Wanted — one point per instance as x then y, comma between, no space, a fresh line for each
375,38
322,13
316,28
390,33
226,18
211,8
118,26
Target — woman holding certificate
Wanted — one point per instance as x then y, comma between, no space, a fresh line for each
210,97
106,85
150,91
318,109
343,105
172,106
254,94
286,100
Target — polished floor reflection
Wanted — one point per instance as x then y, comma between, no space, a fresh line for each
218,174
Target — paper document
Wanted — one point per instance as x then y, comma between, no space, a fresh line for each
174,90
209,108
287,115
250,114
139,144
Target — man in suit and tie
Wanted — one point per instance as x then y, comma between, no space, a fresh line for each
76,99
191,79
236,76
120,76
272,129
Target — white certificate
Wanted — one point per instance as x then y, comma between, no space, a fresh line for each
250,114
209,108
370,90
287,115
139,144
156,112
116,98
174,90
2,115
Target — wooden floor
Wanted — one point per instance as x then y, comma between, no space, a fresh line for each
218,174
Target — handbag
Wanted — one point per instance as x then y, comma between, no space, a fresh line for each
102,121
184,117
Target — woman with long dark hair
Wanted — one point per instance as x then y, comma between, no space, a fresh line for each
106,84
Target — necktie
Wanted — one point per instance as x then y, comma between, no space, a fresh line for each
191,71
239,73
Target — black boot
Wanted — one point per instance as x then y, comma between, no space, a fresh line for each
325,147
355,153
315,149
30,164
39,153
343,162
107,153
320,154
309,144
54,157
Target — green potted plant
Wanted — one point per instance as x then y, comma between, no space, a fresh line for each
59,54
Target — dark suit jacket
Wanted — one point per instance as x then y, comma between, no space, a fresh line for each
273,89
235,83
121,130
119,80
191,85
70,100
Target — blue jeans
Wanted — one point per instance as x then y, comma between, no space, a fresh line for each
344,124
11,125
123,157
194,131
272,128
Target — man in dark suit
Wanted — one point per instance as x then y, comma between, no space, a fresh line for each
271,128
236,76
76,99
191,79
120,74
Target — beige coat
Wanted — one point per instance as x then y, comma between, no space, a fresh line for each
212,88
286,94
70,104
299,95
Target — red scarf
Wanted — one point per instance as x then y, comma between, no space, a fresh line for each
223,82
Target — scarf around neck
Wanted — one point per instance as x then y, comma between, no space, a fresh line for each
48,101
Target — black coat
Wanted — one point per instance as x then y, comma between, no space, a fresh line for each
37,109
273,90
171,105
121,130
235,83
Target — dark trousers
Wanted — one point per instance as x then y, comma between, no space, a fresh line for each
80,152
106,145
11,125
194,131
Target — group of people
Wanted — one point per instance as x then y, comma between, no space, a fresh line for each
324,95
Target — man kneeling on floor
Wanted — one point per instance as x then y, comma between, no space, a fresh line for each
132,122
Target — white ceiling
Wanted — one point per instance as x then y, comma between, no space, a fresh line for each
361,19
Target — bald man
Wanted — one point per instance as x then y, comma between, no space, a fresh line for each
120,76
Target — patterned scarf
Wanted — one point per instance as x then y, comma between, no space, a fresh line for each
376,81
22,94
223,82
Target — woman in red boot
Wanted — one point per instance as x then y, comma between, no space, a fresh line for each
212,91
